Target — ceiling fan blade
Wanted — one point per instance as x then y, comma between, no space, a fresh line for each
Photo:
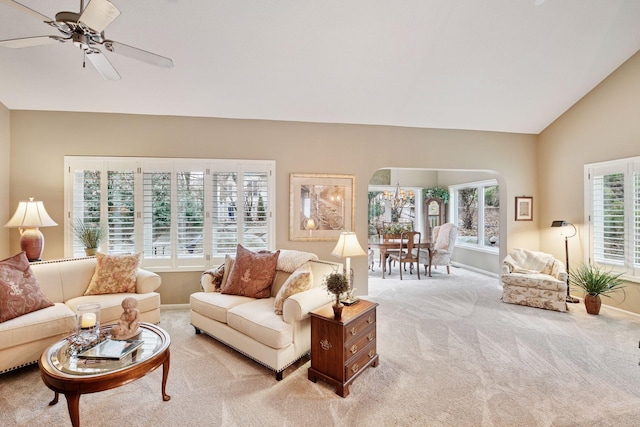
99,14
139,54
102,64
26,9
31,41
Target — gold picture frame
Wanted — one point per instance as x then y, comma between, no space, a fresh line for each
321,206
524,208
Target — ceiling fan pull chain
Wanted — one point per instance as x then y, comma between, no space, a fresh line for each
84,59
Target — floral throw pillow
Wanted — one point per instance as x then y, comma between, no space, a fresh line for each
300,280
20,292
252,273
114,274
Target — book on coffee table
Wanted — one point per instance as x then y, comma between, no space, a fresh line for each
111,349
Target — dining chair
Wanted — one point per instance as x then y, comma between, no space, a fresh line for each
408,252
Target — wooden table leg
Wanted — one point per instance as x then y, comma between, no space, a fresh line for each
55,399
73,404
165,375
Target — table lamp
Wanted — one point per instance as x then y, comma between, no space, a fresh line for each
29,216
347,247
563,223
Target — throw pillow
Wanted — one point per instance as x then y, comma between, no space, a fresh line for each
216,278
252,273
300,280
114,274
20,292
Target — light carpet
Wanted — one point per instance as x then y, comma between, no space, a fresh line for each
451,354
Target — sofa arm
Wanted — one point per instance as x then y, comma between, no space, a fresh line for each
298,306
147,281
506,268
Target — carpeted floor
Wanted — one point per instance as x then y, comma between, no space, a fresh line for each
451,354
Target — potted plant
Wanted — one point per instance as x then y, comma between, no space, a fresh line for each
90,234
595,281
336,284
436,193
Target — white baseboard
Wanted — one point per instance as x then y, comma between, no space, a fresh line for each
173,306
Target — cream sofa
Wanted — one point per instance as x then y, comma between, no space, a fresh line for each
24,338
252,327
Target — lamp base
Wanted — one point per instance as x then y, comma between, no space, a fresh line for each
572,300
32,243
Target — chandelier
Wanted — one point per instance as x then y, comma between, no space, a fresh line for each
397,200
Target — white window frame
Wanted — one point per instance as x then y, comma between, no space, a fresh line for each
630,167
141,164
453,212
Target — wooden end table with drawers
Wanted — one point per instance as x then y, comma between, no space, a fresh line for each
342,349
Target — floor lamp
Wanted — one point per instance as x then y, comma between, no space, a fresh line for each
563,223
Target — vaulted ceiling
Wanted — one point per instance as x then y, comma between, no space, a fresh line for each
502,65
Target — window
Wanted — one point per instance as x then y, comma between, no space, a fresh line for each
476,212
612,210
179,213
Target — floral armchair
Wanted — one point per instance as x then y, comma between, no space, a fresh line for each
535,279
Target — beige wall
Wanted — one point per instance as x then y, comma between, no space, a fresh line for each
604,125
5,207
43,138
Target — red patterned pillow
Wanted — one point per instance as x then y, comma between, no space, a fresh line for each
20,292
252,273
114,274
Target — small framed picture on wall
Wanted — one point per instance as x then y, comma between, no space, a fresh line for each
524,208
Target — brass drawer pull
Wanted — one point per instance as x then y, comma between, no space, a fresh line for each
354,368
370,320
354,349
371,353
370,336
325,344
353,330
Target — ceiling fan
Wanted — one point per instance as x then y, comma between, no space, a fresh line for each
86,31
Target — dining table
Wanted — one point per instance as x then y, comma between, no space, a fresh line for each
384,245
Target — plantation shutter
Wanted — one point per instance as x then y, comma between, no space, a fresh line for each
190,213
224,213
121,211
86,202
256,198
156,202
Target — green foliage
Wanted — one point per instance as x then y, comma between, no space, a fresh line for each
469,203
336,283
397,227
89,233
596,280
436,192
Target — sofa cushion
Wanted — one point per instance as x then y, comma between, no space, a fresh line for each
252,273
38,325
215,305
19,290
216,279
257,320
537,281
114,274
300,280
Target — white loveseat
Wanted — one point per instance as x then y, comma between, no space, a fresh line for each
252,327
63,282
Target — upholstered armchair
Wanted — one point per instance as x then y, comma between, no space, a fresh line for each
443,240
535,279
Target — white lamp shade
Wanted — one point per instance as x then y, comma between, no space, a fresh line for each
348,246
30,214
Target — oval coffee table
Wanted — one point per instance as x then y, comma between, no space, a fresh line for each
72,376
